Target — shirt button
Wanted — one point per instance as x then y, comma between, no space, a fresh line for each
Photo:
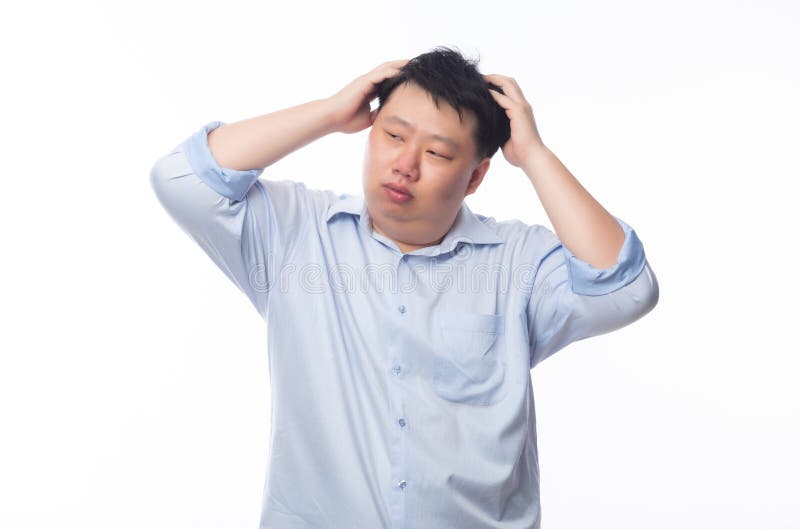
401,422
396,370
402,309
402,484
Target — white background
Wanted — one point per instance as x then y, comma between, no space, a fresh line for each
133,375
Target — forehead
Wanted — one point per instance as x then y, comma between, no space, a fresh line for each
412,107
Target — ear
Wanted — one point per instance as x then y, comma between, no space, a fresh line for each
477,175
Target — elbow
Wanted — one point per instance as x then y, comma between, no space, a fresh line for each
637,298
653,291
647,291
158,179
164,181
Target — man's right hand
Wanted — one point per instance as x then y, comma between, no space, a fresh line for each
350,106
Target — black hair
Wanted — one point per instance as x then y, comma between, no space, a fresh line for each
447,74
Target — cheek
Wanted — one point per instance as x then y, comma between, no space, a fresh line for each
444,191
373,167
371,153
374,153
457,188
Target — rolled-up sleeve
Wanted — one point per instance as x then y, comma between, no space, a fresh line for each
571,300
230,214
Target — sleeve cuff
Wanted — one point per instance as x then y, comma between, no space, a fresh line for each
590,281
229,183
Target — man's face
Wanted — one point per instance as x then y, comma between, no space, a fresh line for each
438,173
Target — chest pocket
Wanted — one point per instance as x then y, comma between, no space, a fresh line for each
468,368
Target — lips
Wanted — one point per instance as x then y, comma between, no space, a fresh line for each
399,189
396,196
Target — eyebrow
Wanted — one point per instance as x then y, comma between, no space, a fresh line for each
443,139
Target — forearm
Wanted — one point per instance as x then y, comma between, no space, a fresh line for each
580,222
258,142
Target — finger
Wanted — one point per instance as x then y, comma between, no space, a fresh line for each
509,84
386,70
395,64
496,77
501,77
510,89
502,100
376,77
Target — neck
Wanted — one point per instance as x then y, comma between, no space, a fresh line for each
405,247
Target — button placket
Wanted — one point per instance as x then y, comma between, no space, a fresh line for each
397,369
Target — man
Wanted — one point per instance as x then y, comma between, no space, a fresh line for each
402,327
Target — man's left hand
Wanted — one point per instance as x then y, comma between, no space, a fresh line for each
525,139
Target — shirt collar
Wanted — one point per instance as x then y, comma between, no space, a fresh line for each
467,227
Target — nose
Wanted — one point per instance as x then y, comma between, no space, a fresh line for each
407,162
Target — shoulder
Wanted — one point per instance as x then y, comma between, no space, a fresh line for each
286,194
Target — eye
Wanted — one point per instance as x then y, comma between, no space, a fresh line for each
395,136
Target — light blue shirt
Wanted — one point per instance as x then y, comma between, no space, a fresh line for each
401,387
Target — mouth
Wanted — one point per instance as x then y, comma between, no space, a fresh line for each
397,195
398,189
